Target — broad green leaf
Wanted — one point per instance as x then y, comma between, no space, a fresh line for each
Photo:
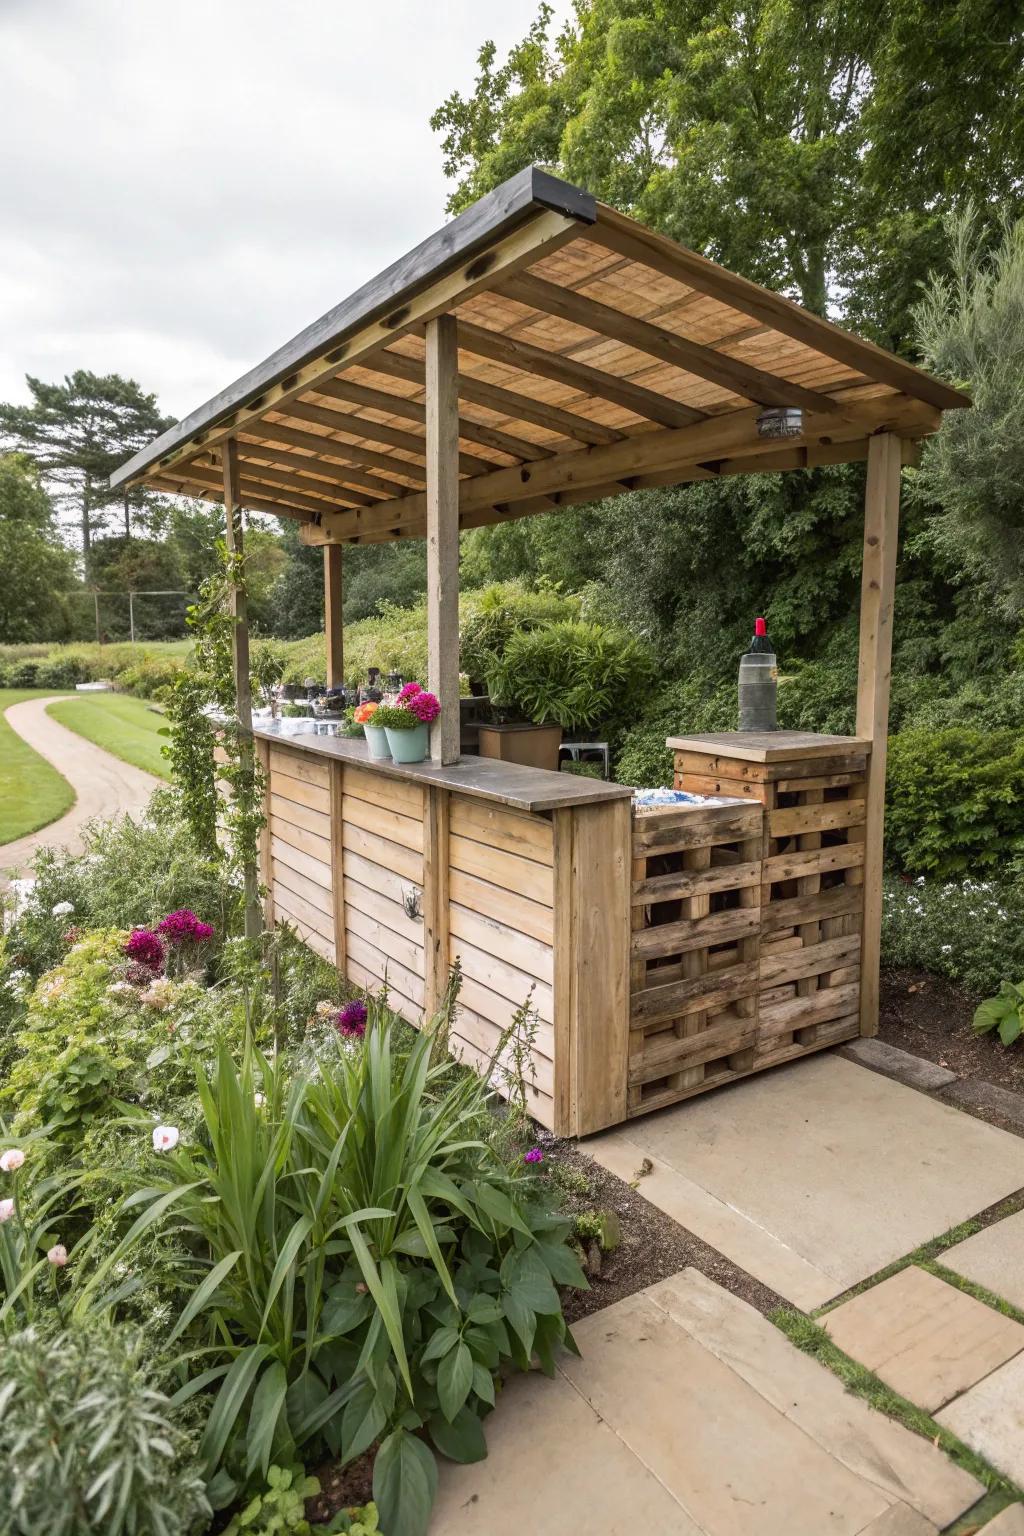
522,1318
440,1343
483,1383
1010,1027
500,1208
989,1014
364,1418
484,1309
527,1275
285,1259
229,1402
454,1379
562,1265
267,1402
404,1484
384,1295
462,1440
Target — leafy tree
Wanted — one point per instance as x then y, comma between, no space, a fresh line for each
120,564
35,569
77,433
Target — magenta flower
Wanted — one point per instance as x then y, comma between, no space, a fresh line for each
184,928
144,948
535,1155
425,706
408,692
350,1020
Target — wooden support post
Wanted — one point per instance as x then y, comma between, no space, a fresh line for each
332,615
878,580
337,782
436,944
240,658
442,380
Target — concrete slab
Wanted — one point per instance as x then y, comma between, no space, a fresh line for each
993,1258
923,1337
988,1099
904,1066
990,1418
818,1174
1008,1522
898,1520
907,1469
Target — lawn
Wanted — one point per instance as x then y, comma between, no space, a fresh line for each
32,793
124,726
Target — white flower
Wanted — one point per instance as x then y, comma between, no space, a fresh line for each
62,909
6,1210
947,949
165,1138
259,1099
11,1160
58,1255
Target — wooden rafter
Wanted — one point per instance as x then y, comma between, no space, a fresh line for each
414,410
329,448
193,474
270,475
358,426
254,455
174,485
515,353
689,356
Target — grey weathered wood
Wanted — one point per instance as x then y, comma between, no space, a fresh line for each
768,746
240,660
511,784
530,191
442,452
333,629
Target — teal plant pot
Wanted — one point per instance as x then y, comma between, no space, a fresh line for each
408,746
377,742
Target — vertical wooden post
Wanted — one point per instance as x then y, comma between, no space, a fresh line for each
337,781
436,938
240,658
878,581
442,380
332,616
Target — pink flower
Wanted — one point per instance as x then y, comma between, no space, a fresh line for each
351,1019
145,948
6,1210
165,1138
535,1155
425,706
183,927
58,1256
408,692
11,1160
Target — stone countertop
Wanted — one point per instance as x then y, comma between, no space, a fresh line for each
523,789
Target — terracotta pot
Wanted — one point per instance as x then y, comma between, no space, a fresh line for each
535,746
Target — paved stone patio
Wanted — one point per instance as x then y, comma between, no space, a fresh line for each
990,1418
815,1176
993,1258
923,1337
691,1415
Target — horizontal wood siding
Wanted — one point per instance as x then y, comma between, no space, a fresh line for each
382,869
297,847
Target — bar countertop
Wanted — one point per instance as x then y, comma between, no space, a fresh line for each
524,789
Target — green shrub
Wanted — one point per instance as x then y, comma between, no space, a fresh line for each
1003,1013
89,1443
361,1265
281,1506
693,704
495,613
574,673
970,931
22,674
954,800
60,672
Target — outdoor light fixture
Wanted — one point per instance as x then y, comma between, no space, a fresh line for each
781,421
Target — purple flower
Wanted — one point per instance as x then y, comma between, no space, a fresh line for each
424,706
535,1155
408,692
184,928
350,1020
145,948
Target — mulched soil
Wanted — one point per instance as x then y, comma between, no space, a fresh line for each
931,1017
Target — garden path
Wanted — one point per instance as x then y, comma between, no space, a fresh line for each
103,785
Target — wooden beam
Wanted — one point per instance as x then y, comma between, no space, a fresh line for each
333,594
174,485
634,460
878,582
635,242
198,475
240,661
356,453
270,476
354,426
442,509
689,356
328,448
646,403
506,402
334,474
415,410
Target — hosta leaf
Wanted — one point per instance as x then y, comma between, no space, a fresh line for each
1010,1027
989,1014
454,1379
462,1439
404,1484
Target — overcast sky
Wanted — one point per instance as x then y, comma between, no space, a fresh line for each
185,185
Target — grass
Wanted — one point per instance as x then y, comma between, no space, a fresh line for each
124,726
32,793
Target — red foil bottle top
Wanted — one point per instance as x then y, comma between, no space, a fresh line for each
760,627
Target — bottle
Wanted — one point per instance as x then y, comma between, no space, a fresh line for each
759,683
370,692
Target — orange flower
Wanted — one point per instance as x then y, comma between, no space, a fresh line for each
364,712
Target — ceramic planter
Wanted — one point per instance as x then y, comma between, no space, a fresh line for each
377,742
408,746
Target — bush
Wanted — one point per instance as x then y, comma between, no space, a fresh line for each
955,800
970,931
22,674
574,673
694,704
500,611
88,1442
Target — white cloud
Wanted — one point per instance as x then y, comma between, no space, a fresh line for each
186,186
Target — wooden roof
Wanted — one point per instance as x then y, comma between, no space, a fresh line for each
595,356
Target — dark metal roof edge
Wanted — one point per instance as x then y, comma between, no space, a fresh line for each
486,220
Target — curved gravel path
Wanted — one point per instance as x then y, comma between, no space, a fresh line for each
103,785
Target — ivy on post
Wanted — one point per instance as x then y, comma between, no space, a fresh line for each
247,817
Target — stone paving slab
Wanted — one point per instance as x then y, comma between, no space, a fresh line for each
990,1418
923,1337
818,1174
993,1258
904,1066
1008,1522
689,1414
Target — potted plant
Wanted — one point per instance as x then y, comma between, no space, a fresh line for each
407,723
564,676
376,737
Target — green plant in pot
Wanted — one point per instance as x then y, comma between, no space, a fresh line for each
407,723
565,676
